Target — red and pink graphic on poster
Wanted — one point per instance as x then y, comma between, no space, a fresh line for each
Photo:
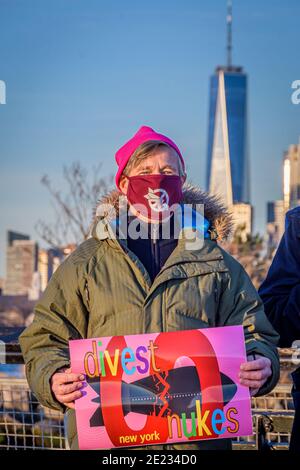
161,388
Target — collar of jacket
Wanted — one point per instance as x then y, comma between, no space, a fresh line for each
213,217
191,223
183,262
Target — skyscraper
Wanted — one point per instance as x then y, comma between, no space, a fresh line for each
227,158
291,177
21,263
275,223
276,210
48,262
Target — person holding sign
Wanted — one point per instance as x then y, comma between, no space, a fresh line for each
152,264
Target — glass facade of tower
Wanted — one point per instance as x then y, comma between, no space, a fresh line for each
213,95
228,112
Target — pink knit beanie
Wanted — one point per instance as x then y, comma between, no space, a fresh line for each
144,134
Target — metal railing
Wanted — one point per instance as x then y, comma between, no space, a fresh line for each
273,416
26,424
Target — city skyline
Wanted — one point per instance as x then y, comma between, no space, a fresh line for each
83,99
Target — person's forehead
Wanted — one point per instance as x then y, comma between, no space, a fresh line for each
169,156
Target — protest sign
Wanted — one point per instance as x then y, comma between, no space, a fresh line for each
161,388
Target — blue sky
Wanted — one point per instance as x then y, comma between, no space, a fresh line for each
83,75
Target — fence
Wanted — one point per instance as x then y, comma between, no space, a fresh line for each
273,417
25,424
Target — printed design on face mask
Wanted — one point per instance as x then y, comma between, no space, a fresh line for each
158,199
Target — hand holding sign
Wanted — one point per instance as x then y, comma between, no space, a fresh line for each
66,386
255,373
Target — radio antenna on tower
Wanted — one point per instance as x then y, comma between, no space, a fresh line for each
229,33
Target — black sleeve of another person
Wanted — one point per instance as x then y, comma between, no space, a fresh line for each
280,291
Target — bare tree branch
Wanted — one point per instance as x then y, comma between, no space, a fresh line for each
73,208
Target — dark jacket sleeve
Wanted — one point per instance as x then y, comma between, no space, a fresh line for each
240,304
60,315
280,291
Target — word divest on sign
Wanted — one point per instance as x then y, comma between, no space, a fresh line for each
161,388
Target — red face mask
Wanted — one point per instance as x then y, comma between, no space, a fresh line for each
153,195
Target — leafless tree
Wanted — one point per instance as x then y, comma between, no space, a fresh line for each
73,207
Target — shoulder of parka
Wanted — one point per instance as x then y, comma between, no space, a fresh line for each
237,275
74,270
233,265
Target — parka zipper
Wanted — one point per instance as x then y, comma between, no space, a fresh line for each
155,249
87,294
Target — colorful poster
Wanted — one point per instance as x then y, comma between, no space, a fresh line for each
161,388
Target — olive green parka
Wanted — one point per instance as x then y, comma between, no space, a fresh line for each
103,289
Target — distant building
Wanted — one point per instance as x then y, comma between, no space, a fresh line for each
227,146
279,217
227,158
21,263
227,149
276,210
28,268
12,236
275,222
34,292
243,215
48,262
43,268
291,177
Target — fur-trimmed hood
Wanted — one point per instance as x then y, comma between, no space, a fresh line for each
219,217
